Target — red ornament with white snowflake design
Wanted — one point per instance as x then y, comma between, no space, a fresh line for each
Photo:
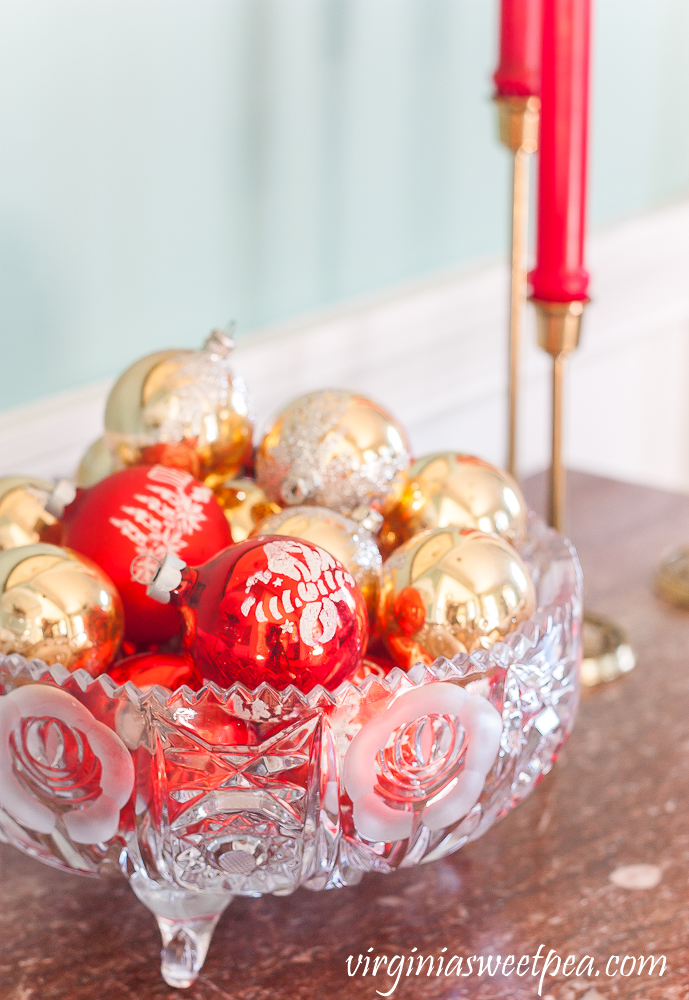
145,513
273,609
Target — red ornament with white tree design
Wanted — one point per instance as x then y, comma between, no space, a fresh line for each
145,513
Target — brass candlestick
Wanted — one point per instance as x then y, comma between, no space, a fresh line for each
518,119
607,654
558,326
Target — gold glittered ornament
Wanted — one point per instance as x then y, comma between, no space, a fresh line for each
448,488
96,464
245,505
59,607
452,590
29,506
341,536
182,408
333,449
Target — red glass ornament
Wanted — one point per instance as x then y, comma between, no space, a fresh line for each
377,666
410,611
145,511
147,669
273,609
176,455
213,724
209,720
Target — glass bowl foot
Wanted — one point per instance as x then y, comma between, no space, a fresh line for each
185,945
186,921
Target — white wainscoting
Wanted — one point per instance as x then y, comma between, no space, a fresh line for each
434,353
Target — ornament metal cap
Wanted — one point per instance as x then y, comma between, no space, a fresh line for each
62,496
221,342
10,483
167,578
367,517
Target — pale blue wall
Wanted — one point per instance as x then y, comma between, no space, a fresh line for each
165,164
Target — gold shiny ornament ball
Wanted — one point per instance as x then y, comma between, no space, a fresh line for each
245,505
182,408
59,607
339,535
449,488
23,514
452,590
333,449
96,463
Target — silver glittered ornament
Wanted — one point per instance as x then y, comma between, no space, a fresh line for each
332,448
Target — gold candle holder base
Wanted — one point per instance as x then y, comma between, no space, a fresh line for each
672,577
607,655
518,120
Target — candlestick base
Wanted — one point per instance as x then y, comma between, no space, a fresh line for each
518,119
672,577
607,655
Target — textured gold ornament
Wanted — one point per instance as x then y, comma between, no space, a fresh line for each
452,590
333,449
245,505
96,464
59,607
341,536
185,409
23,514
449,488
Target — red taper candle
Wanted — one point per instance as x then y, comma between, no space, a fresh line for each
519,72
559,275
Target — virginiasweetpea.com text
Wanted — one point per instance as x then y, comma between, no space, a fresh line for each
543,967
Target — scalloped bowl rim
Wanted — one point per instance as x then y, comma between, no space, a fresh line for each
318,696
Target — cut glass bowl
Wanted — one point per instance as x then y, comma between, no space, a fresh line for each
320,788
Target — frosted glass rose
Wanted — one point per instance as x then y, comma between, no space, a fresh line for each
57,759
423,767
